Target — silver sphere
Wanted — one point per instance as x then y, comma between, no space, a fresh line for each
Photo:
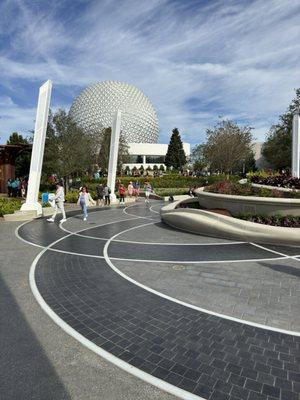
94,109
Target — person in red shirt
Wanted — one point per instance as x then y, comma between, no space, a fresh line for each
122,192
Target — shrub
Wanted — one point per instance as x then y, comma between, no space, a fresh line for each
234,188
276,180
8,206
163,192
288,221
72,196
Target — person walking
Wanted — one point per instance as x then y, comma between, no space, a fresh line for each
59,199
14,187
106,192
100,195
148,190
9,187
130,189
122,192
85,200
136,187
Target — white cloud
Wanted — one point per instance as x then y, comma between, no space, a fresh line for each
14,118
236,58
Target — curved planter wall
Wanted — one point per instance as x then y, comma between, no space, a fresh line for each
249,204
207,223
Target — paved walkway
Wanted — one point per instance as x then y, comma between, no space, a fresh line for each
165,337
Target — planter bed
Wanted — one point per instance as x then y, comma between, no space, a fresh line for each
249,204
204,222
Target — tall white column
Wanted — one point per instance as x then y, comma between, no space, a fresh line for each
37,154
296,145
113,154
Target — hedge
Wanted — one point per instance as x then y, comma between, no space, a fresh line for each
165,181
8,206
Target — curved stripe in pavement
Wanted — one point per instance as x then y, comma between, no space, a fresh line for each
201,354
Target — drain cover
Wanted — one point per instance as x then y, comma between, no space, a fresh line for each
179,267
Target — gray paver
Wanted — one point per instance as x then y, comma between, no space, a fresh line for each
48,363
252,299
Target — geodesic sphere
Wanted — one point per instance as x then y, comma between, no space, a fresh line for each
96,106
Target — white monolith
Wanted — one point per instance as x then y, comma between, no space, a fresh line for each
113,154
296,145
37,154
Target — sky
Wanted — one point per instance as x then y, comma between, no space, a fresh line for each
196,60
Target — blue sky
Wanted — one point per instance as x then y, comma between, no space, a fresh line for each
195,60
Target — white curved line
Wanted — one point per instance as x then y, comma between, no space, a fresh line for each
183,394
127,367
95,226
108,260
198,262
273,251
74,254
151,209
149,243
137,216
24,240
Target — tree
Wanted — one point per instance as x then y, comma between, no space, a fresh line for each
198,158
69,151
278,147
16,138
175,156
228,146
22,161
103,161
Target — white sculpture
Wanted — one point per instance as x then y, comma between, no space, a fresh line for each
113,154
36,163
296,145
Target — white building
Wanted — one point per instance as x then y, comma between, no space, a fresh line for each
150,154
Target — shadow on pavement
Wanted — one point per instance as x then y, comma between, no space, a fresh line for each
286,269
25,371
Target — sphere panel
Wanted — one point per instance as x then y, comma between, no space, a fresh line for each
96,106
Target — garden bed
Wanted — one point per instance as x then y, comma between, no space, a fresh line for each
288,221
278,180
8,205
205,222
246,189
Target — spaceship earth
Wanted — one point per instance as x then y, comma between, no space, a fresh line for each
94,108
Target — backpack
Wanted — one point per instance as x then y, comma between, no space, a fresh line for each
109,191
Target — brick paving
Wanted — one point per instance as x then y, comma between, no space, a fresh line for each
209,356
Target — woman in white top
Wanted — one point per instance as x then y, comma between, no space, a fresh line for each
85,200
148,190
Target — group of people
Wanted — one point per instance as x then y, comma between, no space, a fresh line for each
85,199
16,187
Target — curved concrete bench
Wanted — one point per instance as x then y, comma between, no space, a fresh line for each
211,224
249,204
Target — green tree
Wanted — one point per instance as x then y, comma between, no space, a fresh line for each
278,147
16,138
22,161
175,156
228,146
68,150
104,143
198,158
